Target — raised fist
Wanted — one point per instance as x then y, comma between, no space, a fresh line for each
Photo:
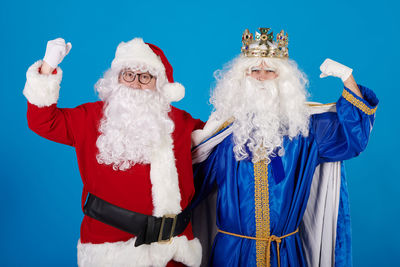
56,50
333,68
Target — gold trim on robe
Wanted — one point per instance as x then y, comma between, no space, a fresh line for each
261,199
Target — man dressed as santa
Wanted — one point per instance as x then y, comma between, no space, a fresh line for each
133,151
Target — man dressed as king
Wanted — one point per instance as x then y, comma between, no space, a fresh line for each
276,160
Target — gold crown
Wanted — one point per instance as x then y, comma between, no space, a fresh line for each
263,44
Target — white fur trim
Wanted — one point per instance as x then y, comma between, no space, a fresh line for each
125,254
40,89
164,178
174,92
136,51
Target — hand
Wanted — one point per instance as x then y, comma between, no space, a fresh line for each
56,50
333,68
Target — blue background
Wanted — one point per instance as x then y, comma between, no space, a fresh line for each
40,186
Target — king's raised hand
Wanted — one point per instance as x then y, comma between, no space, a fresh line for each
333,68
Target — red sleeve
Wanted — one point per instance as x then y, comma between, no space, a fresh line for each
198,124
60,125
186,119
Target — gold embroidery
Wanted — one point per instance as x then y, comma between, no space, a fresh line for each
224,125
261,199
359,104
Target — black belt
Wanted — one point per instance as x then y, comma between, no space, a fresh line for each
146,228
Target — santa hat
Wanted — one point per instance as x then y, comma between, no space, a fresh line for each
137,53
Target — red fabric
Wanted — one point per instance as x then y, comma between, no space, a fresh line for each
54,71
130,189
174,264
164,60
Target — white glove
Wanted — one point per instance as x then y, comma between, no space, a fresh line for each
56,50
333,68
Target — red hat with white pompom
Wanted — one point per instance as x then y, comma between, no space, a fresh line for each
137,53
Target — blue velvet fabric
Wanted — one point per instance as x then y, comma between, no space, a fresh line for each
332,137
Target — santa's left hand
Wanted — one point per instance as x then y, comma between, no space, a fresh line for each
333,68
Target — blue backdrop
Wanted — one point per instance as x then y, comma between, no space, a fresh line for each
40,184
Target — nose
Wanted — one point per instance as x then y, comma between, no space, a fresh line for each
265,75
136,84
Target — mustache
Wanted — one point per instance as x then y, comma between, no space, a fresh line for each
124,92
256,87
260,84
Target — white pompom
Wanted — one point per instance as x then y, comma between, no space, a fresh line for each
174,92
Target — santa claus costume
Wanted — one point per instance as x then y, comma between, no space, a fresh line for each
157,182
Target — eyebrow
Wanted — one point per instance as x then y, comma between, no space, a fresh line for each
265,68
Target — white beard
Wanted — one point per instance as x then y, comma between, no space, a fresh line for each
132,126
257,124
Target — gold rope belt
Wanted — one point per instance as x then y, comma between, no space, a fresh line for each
269,240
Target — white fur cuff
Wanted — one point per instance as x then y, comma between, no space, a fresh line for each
40,89
126,254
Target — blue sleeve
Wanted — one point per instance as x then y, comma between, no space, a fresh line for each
205,174
344,134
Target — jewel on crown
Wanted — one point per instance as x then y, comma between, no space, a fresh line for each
263,44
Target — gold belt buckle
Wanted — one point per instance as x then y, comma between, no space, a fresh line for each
172,216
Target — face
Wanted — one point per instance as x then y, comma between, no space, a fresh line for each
262,72
137,79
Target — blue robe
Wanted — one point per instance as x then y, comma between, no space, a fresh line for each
261,200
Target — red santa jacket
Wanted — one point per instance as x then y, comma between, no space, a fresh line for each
134,189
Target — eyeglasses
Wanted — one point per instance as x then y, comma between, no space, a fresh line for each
130,76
